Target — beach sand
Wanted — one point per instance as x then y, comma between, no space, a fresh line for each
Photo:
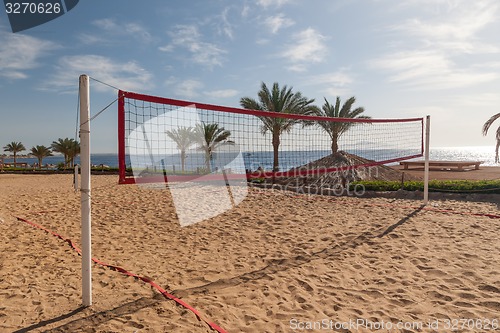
278,262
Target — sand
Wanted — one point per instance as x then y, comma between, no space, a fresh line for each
277,262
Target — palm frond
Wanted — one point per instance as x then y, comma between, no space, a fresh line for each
281,100
250,103
337,107
336,129
14,147
489,122
182,136
346,108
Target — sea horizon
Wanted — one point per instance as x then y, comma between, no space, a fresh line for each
486,154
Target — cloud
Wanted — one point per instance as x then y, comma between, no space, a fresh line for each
275,23
333,84
188,88
225,27
430,70
272,3
226,93
109,29
245,11
306,47
441,46
262,41
89,39
410,65
485,101
124,75
138,31
20,53
456,29
340,77
188,38
191,88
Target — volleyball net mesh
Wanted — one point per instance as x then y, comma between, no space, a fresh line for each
169,140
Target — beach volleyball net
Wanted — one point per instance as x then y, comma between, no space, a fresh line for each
169,140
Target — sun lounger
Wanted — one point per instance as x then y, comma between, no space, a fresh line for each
446,165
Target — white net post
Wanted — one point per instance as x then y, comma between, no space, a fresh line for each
85,190
426,168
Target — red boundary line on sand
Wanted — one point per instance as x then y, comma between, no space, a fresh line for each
167,295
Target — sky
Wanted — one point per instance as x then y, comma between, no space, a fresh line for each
400,59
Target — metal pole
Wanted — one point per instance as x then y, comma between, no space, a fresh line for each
75,178
426,168
85,190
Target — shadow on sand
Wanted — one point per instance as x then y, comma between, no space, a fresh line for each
278,265
94,320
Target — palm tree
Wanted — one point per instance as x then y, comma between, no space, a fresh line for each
69,148
14,147
40,152
278,100
336,129
487,126
74,151
210,137
184,138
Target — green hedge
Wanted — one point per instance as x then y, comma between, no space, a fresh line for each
457,186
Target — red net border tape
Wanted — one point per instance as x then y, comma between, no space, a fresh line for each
167,295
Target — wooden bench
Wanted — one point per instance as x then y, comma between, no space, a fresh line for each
15,165
460,165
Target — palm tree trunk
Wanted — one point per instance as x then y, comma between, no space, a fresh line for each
208,157
335,146
496,151
15,154
276,145
40,160
183,160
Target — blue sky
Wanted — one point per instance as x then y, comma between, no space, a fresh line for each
402,58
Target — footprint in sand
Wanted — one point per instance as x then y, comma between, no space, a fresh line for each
306,286
490,288
467,296
492,305
300,299
464,304
452,281
440,296
470,274
431,271
401,301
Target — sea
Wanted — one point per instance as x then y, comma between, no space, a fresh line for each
288,160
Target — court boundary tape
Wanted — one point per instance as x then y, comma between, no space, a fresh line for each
147,280
180,302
